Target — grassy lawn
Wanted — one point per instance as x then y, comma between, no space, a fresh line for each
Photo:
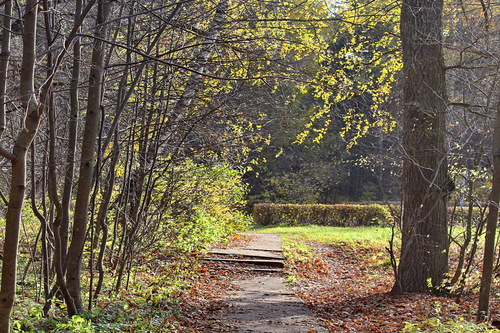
375,236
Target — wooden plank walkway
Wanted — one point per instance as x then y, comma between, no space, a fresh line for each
262,304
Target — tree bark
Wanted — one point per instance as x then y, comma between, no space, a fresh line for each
84,186
102,224
4,60
18,177
426,185
62,231
491,227
33,110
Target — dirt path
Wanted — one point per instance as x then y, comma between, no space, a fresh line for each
262,303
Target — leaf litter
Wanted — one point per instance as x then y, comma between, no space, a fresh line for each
346,288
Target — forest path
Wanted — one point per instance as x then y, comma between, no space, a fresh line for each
261,302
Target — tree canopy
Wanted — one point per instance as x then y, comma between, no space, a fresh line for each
132,125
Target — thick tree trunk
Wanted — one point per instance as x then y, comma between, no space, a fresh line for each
84,186
426,185
491,226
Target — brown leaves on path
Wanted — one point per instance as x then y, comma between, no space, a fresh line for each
354,296
348,288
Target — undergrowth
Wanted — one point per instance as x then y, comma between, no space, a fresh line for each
454,325
150,302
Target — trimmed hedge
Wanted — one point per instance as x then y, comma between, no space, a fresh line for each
332,215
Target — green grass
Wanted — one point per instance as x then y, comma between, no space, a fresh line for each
377,237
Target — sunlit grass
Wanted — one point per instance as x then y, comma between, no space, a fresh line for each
374,236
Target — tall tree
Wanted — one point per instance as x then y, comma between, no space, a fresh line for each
84,187
491,226
18,157
426,185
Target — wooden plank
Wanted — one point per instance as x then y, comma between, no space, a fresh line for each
247,253
263,270
273,263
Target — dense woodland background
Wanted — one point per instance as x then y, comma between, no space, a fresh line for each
132,126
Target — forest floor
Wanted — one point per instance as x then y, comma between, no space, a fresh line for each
347,289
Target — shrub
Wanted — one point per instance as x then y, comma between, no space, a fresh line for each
331,215
206,205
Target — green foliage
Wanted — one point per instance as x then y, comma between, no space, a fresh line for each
296,250
203,229
457,325
148,305
438,324
206,205
22,326
332,215
74,324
